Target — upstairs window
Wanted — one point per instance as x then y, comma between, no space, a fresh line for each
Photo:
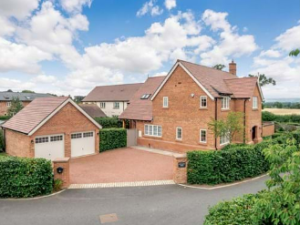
102,105
116,105
178,133
203,102
165,102
8,104
225,103
255,103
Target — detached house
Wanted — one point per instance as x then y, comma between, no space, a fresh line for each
7,96
112,99
173,112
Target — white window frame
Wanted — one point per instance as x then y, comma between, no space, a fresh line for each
152,130
224,140
201,130
225,103
102,105
116,104
203,98
254,103
177,129
165,102
8,104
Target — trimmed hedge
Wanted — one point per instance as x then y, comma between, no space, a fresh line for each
111,122
112,138
267,116
225,166
25,177
5,117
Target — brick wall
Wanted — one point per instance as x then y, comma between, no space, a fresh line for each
184,111
268,129
68,120
18,144
4,108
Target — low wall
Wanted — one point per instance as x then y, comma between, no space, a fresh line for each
268,129
180,170
61,169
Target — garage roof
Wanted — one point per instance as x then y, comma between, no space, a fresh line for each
38,112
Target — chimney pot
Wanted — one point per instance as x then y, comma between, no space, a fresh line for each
232,68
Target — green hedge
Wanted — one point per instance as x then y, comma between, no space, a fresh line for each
267,116
111,122
235,212
225,166
112,138
24,177
5,117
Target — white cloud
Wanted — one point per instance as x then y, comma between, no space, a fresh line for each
7,28
14,84
170,4
150,7
230,45
75,5
19,9
44,79
270,53
290,39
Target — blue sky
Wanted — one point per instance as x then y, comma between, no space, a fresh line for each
69,46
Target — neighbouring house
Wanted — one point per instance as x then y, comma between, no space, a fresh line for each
7,96
173,112
92,110
51,128
112,99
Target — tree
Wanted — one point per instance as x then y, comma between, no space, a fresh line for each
264,80
219,67
281,204
295,52
27,91
16,106
9,90
230,127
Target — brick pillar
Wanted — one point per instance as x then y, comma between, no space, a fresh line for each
65,175
180,170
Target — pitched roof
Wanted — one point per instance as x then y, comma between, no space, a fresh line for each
216,83
8,96
39,111
93,110
122,92
141,109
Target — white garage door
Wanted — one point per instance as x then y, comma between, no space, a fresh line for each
82,143
49,147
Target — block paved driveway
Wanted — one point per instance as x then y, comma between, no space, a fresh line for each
121,165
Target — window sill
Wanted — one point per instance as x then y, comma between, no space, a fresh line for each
255,109
203,108
178,140
225,110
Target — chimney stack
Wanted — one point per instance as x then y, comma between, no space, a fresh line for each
232,68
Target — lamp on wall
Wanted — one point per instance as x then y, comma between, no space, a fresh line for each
192,95
60,170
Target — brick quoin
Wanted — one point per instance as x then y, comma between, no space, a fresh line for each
68,120
184,111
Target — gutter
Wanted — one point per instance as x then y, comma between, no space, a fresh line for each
216,118
244,136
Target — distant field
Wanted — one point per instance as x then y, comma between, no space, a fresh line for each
283,111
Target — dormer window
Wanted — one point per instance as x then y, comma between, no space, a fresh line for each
145,96
225,103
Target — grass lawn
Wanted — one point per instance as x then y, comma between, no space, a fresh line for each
283,111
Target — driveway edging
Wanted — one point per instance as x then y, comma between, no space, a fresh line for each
223,186
122,184
34,198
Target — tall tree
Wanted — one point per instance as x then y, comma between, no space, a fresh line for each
264,80
16,106
27,91
219,67
295,52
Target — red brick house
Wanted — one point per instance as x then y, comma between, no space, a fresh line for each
173,112
51,128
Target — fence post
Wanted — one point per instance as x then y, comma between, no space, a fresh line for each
61,169
180,169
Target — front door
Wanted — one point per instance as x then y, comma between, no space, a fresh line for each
254,131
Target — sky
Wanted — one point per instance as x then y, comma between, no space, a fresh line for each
68,47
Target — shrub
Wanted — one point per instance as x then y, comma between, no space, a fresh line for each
237,211
57,186
215,167
267,116
111,122
2,141
24,177
112,138
5,117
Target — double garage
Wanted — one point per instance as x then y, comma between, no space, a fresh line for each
53,146
52,128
